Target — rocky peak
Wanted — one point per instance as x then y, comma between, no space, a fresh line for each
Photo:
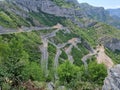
112,81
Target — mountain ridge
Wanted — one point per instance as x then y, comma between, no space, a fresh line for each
114,12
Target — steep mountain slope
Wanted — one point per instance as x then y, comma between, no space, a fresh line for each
71,10
43,35
112,80
114,12
100,14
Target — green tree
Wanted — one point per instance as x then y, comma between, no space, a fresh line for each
32,71
68,72
14,61
95,73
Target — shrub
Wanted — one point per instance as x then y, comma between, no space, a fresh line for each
67,73
32,71
96,73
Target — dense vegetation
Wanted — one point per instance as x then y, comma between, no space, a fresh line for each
20,59
76,77
17,55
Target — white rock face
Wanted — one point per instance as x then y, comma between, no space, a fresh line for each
112,81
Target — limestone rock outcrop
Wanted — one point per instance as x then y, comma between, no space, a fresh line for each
78,10
112,81
113,44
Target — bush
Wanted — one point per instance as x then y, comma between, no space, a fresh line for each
32,71
67,73
6,86
96,73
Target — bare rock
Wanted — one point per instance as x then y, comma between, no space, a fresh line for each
113,44
112,81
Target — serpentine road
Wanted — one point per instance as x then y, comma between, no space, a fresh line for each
23,29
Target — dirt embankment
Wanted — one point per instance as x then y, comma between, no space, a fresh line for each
100,55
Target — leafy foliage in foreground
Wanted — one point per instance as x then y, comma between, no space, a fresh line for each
67,72
15,55
76,77
95,73
33,72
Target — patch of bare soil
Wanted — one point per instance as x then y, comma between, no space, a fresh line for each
102,57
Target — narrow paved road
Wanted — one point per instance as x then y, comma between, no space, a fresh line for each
44,47
24,29
44,56
29,29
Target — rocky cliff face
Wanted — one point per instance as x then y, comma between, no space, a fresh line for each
46,6
49,7
112,81
83,10
97,13
113,44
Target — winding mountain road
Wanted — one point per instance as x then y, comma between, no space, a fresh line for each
101,57
23,29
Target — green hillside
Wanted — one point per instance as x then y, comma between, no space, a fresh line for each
47,50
